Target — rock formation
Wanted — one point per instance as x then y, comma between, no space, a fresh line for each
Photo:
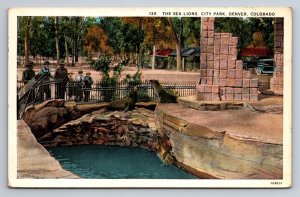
40,164
45,117
163,95
225,144
136,128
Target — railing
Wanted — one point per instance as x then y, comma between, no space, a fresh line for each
38,90
20,84
102,92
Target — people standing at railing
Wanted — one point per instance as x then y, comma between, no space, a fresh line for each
45,71
88,82
28,74
60,74
71,87
80,83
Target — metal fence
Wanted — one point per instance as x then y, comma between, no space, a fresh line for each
104,92
20,84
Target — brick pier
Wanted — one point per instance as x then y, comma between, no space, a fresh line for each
221,75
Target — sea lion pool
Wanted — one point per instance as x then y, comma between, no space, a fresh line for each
113,162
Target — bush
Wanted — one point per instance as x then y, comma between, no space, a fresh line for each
108,82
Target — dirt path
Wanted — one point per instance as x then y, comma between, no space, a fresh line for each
147,74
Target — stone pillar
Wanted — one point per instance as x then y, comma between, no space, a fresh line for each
276,82
221,75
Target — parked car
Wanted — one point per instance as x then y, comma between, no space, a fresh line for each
249,64
265,66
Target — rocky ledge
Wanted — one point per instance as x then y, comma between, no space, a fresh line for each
33,159
227,144
45,117
136,128
236,142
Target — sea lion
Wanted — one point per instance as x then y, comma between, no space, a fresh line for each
163,95
124,104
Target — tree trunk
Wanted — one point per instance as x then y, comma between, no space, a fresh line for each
26,46
139,45
153,57
76,49
73,53
178,46
57,39
67,51
178,57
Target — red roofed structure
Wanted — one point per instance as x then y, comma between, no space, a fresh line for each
256,52
163,52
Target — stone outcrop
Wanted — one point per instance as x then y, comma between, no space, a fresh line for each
33,159
228,144
208,139
270,105
45,117
136,128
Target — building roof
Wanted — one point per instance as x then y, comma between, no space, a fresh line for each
162,52
189,51
258,52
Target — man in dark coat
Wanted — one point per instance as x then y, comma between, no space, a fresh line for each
28,74
88,82
45,88
61,74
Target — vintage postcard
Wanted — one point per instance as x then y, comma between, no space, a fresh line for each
150,97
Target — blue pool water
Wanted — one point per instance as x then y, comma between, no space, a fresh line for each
112,162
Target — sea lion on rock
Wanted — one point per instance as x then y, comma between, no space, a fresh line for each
163,95
124,104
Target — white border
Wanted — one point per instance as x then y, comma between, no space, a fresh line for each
144,183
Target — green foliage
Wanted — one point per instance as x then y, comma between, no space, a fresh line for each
264,25
237,26
136,80
244,28
135,35
103,65
122,37
191,31
42,37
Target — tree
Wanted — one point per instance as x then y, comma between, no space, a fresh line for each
156,31
237,26
96,41
266,27
178,40
191,32
258,41
26,44
57,38
244,28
